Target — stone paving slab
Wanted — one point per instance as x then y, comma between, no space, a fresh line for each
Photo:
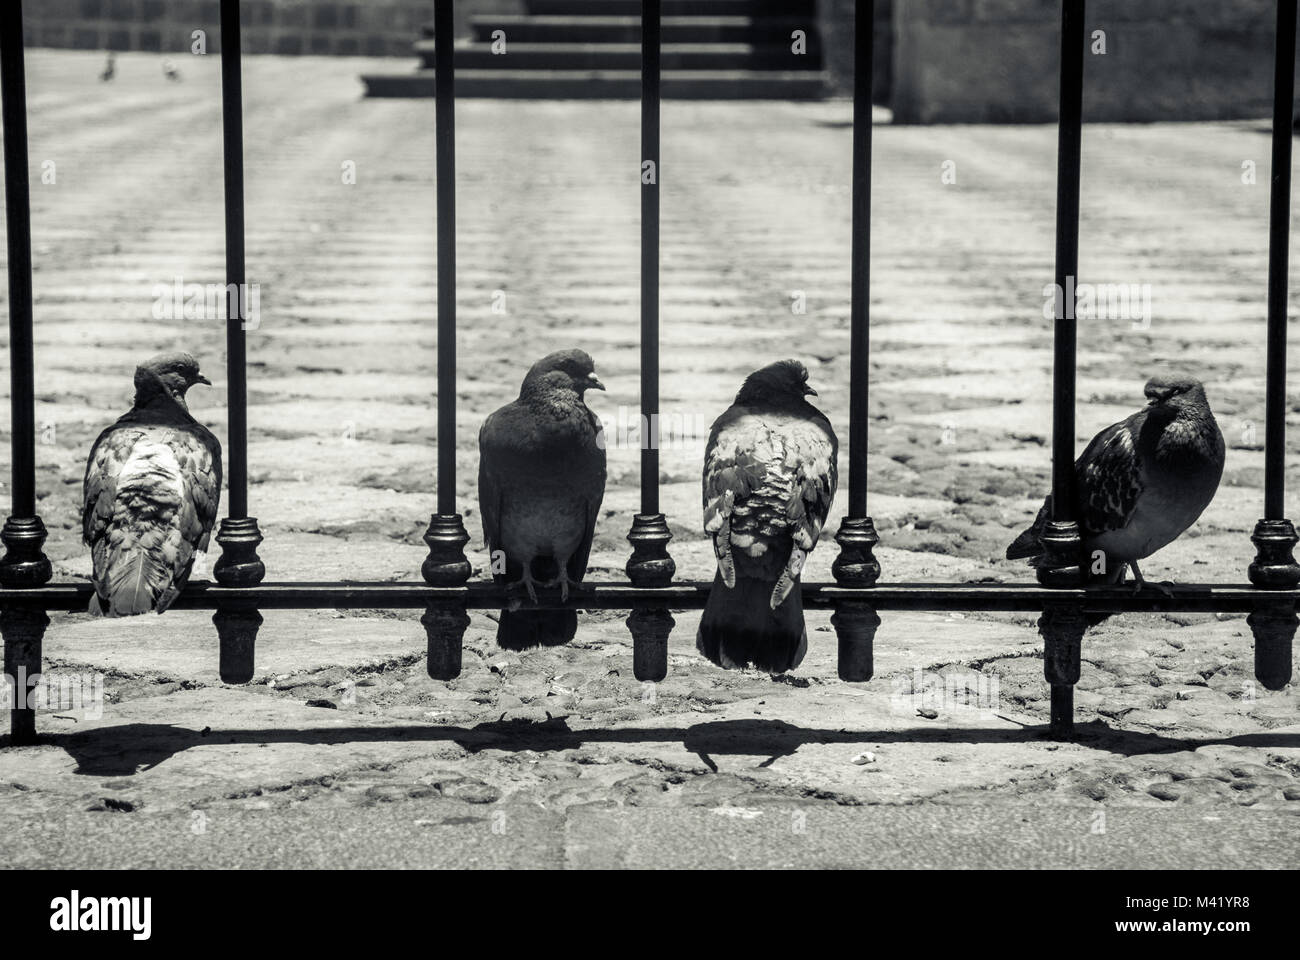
182,644
424,834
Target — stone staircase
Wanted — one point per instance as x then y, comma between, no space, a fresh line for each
591,49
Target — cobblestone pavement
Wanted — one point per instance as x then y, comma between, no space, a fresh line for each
755,219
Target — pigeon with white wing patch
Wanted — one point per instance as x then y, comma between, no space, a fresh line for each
152,485
769,479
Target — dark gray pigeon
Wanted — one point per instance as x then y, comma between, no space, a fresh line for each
1141,482
540,483
769,479
151,490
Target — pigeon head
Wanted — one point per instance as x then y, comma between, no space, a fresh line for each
167,375
783,382
1176,393
567,370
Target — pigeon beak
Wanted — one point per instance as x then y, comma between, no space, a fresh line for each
809,391
200,378
593,381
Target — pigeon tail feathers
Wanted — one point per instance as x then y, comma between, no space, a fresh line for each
525,629
740,628
132,581
1029,544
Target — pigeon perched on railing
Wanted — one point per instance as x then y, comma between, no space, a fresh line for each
152,485
769,479
1141,482
541,480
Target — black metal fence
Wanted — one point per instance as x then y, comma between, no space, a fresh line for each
651,592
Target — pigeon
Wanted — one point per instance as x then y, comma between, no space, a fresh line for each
540,483
170,70
152,485
1141,482
107,73
769,479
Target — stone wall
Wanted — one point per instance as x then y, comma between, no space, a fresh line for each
342,27
936,61
975,61
836,24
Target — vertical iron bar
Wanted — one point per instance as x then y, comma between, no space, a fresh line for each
445,137
238,535
1069,143
1062,548
650,32
856,564
1062,628
1279,234
1274,566
236,358
650,565
18,221
24,563
446,564
860,310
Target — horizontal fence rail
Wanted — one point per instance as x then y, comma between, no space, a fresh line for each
1066,606
687,595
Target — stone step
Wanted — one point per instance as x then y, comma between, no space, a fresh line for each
625,56
605,29
607,84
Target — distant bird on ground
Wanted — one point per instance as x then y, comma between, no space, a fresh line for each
1141,482
769,479
109,67
540,483
151,490
170,70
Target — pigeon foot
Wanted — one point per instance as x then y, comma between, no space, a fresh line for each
566,585
1140,584
525,585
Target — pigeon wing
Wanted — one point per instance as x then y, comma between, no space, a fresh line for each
99,489
198,453
1108,482
1109,478
731,472
590,477
772,477
812,451
492,467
